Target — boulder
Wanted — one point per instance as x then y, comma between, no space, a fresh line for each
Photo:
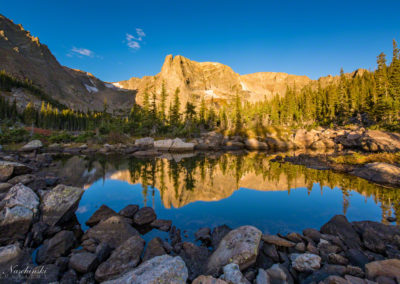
8,169
254,144
101,214
275,240
233,145
160,269
305,262
59,204
24,179
204,235
18,208
262,277
339,226
278,144
4,187
218,233
232,274
154,248
57,246
195,258
122,259
145,143
376,140
303,139
278,273
32,145
388,268
179,146
239,246
129,211
113,231
144,216
163,145
379,172
83,262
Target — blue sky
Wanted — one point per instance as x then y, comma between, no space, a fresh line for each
116,40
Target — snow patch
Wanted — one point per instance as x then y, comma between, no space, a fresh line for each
244,88
210,93
118,85
110,86
91,89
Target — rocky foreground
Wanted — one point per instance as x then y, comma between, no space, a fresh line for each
37,215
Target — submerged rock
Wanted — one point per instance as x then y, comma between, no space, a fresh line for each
160,269
60,203
239,246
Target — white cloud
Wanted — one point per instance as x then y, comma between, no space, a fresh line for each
82,51
133,40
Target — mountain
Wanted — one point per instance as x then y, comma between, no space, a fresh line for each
211,80
24,57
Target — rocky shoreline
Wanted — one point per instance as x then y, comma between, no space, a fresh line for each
37,215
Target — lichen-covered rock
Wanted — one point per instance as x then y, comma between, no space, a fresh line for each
305,262
59,204
122,259
239,246
160,269
32,145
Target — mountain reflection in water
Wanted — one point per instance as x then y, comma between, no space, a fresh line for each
210,190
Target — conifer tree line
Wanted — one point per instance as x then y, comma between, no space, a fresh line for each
374,95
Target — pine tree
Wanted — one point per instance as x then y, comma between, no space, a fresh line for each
238,114
175,114
163,100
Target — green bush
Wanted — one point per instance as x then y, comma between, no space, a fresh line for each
61,137
84,137
13,135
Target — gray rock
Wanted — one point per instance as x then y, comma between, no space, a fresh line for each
202,279
122,259
5,186
254,144
160,224
23,179
59,245
387,268
239,246
218,234
160,269
163,145
233,275
305,262
32,145
279,274
129,211
339,226
113,231
154,248
204,235
179,146
195,258
145,143
379,172
144,216
334,258
8,169
275,240
262,277
101,214
83,262
60,203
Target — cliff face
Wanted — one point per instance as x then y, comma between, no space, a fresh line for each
24,57
210,80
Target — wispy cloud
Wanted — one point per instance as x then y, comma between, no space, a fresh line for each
133,41
80,52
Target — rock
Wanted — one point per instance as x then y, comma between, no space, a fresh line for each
113,231
83,262
254,144
239,246
17,211
294,237
163,145
4,187
379,172
354,280
233,275
89,245
355,271
69,277
233,145
32,145
388,268
313,234
129,211
339,226
277,144
87,278
60,203
144,216
101,214
390,219
204,235
375,234
333,279
208,280
279,274
146,153
8,169
195,258
145,143
57,246
376,140
357,257
275,240
305,262
160,224
122,259
303,139
160,269
179,146
334,258
262,277
301,247
23,179
270,251
175,236
218,234
154,248
12,255
103,251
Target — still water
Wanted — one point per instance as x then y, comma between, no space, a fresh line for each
211,190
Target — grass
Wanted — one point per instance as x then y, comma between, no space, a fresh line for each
359,159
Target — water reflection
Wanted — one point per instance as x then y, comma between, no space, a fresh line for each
227,188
